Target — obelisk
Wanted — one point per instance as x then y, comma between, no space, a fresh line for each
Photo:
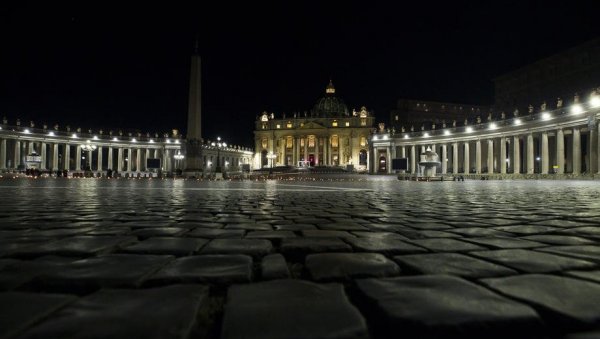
193,142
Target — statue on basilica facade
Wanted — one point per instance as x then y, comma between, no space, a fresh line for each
543,106
4,121
559,102
516,112
478,119
503,115
433,126
412,128
443,123
489,117
423,127
402,129
31,123
272,115
576,98
466,122
530,109
454,123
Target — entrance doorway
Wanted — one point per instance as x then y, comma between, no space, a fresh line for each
382,164
264,162
311,159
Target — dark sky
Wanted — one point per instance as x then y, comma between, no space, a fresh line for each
94,64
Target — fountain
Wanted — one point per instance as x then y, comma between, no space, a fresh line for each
429,161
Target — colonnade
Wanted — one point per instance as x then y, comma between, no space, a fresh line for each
68,156
558,142
555,151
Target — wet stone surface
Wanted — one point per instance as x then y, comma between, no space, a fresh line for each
569,301
346,266
357,258
291,309
168,312
433,306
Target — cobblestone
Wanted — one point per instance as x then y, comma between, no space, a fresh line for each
229,259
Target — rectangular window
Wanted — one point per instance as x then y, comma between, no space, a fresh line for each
289,142
347,124
334,141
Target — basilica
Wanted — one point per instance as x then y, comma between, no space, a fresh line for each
328,135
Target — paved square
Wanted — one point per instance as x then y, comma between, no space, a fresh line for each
426,258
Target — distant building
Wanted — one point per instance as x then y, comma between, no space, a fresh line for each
550,80
419,114
328,135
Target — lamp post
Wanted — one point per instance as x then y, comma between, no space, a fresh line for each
178,157
219,145
271,156
88,147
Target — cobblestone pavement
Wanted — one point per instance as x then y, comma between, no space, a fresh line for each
370,258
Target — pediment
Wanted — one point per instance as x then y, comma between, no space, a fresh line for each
312,125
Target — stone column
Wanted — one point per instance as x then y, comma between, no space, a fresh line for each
490,156
388,159
341,151
78,158
3,154
90,157
530,160
325,151
109,162
466,160
592,150
516,155
598,148
502,155
55,157
120,159
413,160
146,158
455,158
403,151
478,157
545,154
560,151
129,159
138,159
576,151
43,155
17,154
306,149
67,157
30,147
317,150
99,158
444,159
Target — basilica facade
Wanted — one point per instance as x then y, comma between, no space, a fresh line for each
328,135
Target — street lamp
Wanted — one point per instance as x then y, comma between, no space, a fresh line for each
88,147
271,156
178,157
219,145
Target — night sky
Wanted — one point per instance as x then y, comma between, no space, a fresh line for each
97,65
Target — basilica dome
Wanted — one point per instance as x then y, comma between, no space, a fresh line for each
330,106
